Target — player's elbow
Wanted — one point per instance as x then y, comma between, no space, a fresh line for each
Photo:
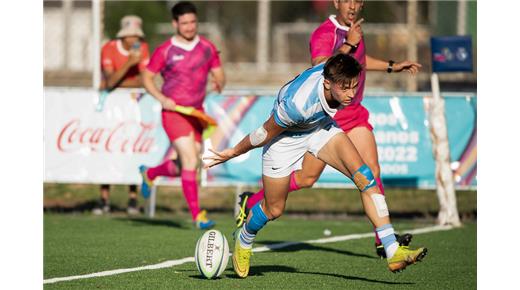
148,83
147,76
222,80
111,82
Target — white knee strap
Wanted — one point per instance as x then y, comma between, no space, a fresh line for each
380,204
258,136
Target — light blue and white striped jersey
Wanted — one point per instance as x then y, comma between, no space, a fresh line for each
301,105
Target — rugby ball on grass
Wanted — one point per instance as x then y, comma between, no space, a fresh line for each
212,254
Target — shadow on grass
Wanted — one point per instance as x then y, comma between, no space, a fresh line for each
200,277
89,205
260,270
155,222
78,207
310,247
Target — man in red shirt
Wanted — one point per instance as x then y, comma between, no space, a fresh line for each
122,60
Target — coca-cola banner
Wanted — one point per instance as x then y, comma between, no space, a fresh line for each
85,144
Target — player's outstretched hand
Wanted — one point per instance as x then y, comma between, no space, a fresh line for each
409,66
218,157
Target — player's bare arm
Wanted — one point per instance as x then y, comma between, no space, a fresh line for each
218,79
255,139
116,80
131,83
354,36
318,60
375,64
151,88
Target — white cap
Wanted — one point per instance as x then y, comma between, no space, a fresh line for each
130,26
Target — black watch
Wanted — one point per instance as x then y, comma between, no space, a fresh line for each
390,67
353,46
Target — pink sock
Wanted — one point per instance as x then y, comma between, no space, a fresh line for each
382,189
190,190
380,185
167,168
260,194
252,200
292,185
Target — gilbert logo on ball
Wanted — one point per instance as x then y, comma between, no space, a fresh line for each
211,254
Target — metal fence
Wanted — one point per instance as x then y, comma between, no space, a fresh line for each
256,40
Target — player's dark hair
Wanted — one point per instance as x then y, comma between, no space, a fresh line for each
181,8
341,68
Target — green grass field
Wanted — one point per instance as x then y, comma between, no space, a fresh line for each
78,244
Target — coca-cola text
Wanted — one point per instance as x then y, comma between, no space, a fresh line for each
123,137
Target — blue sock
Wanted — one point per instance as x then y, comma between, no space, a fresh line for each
258,219
387,236
249,229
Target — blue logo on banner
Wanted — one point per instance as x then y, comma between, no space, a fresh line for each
451,54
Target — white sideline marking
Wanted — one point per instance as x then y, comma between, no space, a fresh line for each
165,264
172,263
346,238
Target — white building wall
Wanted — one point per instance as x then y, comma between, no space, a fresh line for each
78,46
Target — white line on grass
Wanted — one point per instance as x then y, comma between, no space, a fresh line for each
172,263
166,264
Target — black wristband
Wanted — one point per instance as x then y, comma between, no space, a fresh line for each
353,46
390,68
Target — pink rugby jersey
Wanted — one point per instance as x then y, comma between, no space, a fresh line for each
327,38
185,68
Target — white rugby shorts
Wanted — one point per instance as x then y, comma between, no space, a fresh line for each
284,154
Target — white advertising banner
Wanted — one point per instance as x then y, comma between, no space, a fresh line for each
85,145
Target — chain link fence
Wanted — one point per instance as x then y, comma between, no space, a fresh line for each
232,26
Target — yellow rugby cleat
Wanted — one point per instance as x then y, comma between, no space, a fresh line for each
241,257
244,211
404,257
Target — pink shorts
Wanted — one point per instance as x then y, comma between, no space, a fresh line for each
177,125
353,116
